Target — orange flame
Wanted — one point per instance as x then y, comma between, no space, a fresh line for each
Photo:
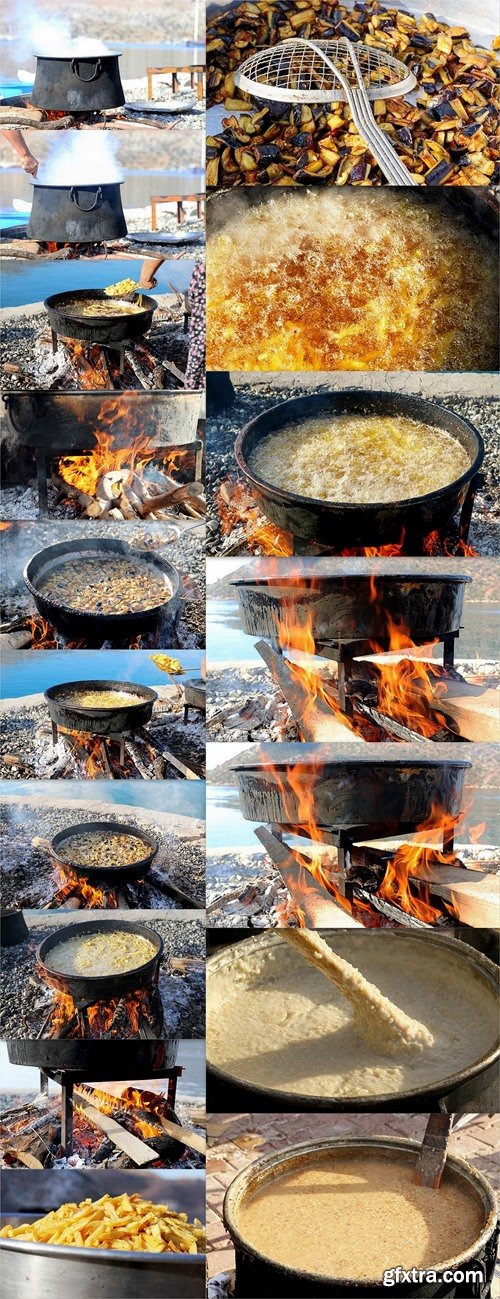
435,544
111,454
417,860
236,505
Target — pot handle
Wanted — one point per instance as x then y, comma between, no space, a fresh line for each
74,65
73,196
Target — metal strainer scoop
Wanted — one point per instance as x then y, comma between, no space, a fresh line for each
300,71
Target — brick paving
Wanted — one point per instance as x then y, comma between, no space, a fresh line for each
235,1140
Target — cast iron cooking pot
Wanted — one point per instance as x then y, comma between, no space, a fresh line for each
133,870
90,624
107,330
449,1094
338,603
77,85
99,720
99,1058
258,1275
378,790
342,526
76,213
87,989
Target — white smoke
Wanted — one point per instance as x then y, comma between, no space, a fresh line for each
81,158
35,34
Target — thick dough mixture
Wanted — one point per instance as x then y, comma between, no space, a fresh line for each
359,459
275,1022
350,280
359,1216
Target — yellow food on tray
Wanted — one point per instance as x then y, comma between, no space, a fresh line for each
115,1222
123,286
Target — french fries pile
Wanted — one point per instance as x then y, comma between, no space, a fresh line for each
123,286
115,1222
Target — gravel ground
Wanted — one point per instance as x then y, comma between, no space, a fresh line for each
27,752
28,876
136,92
39,368
244,704
26,1000
250,401
187,554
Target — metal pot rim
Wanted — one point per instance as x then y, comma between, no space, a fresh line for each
74,184
363,575
76,1252
84,926
435,1090
65,551
308,761
456,1163
78,58
289,498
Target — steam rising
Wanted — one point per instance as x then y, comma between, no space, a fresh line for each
37,34
86,158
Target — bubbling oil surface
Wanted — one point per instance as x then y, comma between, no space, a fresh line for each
352,281
359,459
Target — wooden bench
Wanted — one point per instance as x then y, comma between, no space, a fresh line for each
195,72
179,200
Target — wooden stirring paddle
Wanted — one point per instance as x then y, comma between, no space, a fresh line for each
378,1021
431,1161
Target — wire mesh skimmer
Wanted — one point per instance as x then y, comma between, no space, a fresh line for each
317,72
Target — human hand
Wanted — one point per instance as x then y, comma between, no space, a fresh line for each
29,163
147,281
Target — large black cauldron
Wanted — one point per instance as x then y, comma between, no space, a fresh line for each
341,526
76,214
78,85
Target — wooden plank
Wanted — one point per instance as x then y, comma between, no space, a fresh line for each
137,1150
316,720
184,1135
474,893
474,709
320,910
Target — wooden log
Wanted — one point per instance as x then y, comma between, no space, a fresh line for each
82,498
134,754
316,721
17,116
138,1151
320,910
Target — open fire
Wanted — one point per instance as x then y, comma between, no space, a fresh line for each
376,885
247,530
354,650
74,1125
135,1014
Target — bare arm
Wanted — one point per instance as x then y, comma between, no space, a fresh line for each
15,137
